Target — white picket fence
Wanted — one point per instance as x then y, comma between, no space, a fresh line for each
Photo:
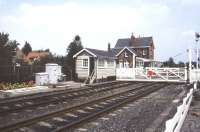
175,124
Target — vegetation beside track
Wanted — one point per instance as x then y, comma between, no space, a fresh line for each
9,86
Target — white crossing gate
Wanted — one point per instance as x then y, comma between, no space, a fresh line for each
152,74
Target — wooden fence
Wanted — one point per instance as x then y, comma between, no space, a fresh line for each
175,124
19,74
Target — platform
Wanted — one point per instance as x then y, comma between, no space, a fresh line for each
39,89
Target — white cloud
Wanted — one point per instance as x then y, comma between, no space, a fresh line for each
190,2
54,26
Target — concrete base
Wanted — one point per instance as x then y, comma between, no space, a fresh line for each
22,91
39,89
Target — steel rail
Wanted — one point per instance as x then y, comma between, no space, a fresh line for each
140,94
46,116
50,93
55,100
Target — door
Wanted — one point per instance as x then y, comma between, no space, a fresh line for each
91,65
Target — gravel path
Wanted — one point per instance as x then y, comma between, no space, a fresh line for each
136,116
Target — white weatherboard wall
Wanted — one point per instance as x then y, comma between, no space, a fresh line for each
59,72
41,78
53,70
83,72
105,71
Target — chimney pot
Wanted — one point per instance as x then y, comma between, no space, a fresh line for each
108,46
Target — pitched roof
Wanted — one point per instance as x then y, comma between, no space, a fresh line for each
102,53
130,49
138,42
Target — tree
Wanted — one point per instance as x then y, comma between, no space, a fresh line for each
27,48
7,49
7,57
4,52
181,64
74,47
169,63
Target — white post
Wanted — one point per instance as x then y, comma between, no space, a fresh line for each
185,73
195,86
190,64
197,58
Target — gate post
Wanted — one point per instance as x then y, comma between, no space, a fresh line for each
190,64
186,74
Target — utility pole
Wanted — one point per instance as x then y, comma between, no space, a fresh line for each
197,36
190,63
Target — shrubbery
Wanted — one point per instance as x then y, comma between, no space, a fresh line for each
8,86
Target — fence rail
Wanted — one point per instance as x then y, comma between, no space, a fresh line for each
175,124
152,74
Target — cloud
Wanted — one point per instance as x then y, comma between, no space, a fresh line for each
54,26
190,2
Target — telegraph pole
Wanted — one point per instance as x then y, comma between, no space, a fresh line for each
190,63
197,36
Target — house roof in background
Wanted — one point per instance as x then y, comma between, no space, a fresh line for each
35,54
138,42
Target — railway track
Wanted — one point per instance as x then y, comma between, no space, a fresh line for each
69,118
50,93
29,103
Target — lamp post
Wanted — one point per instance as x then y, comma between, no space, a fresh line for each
197,36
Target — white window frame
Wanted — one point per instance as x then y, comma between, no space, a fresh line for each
84,66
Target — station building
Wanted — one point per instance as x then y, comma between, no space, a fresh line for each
128,53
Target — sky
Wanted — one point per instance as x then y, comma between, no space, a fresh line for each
54,24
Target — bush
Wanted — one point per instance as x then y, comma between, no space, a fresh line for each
8,86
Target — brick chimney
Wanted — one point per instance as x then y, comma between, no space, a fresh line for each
132,36
132,40
108,47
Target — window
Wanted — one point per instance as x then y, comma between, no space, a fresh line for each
110,63
126,64
139,63
125,54
85,63
144,52
101,63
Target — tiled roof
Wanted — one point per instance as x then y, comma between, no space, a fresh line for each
137,42
102,53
